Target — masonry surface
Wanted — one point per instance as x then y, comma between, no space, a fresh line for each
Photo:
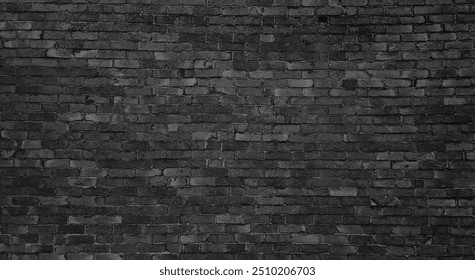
237,129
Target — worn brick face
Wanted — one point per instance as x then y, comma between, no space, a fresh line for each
237,129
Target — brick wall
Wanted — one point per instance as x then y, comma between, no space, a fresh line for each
237,129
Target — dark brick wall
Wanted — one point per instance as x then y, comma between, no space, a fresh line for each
237,129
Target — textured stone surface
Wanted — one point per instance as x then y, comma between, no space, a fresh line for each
151,129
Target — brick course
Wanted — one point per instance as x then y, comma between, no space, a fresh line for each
240,129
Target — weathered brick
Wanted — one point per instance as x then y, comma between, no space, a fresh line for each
176,172
307,238
80,239
248,137
202,181
202,135
287,92
57,163
314,2
94,220
304,83
343,192
229,219
59,53
292,129
82,182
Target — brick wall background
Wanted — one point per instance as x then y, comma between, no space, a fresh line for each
237,129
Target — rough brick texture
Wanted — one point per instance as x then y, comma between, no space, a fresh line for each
230,129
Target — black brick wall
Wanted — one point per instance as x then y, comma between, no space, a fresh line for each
237,129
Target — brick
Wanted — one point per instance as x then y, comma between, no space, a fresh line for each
94,220
304,83
176,172
57,163
184,82
97,118
354,3
151,46
59,53
350,83
292,129
196,91
80,239
287,92
350,229
202,181
343,192
82,182
398,29
229,219
202,135
314,3
301,12
267,38
248,137
192,238
126,63
275,137
286,129
307,238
